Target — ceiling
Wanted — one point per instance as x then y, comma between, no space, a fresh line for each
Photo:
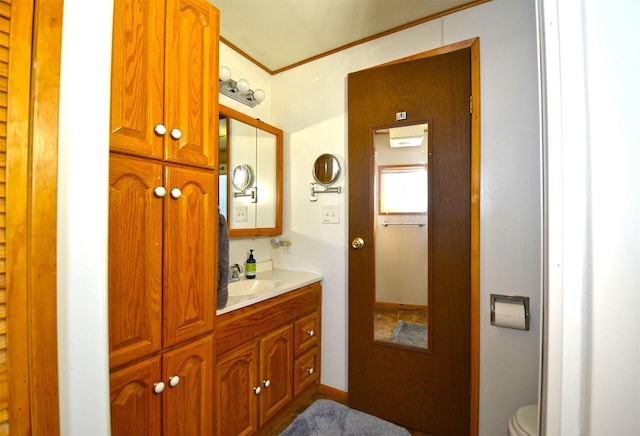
278,34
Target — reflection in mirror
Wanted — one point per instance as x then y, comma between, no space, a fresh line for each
242,177
252,200
326,169
401,310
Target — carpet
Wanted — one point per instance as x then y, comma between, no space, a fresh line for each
410,333
328,418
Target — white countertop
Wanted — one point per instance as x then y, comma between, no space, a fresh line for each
288,281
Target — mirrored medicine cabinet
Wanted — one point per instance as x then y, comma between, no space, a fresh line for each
250,174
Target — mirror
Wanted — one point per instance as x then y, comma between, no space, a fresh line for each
252,200
326,169
242,177
401,308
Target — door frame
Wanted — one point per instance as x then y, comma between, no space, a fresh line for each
474,45
31,215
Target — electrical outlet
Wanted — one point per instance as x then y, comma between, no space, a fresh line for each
240,214
330,214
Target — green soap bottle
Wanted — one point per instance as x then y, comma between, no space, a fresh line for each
250,267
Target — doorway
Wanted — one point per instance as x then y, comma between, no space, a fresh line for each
431,384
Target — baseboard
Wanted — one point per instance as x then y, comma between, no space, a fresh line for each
334,394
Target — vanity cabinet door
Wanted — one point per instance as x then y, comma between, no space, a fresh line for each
190,255
276,371
238,391
187,402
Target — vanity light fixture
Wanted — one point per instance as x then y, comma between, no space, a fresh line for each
238,90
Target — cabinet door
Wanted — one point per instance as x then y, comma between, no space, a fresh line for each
190,255
191,77
237,392
276,371
135,259
135,407
137,77
187,403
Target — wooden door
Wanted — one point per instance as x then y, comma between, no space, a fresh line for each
191,90
137,78
135,407
427,390
236,399
190,254
187,402
276,371
135,258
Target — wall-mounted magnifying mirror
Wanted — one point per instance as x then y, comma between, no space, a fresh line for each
250,195
326,170
242,177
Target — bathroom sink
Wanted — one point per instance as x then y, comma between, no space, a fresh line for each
251,287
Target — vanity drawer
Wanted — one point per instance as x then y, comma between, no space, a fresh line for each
307,331
306,370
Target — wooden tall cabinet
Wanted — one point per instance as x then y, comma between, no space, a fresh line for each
163,217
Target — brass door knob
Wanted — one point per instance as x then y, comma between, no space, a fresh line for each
357,243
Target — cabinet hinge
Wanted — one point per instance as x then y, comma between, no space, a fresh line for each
471,104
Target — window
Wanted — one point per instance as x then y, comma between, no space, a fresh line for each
402,189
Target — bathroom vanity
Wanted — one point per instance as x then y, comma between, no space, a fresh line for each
267,353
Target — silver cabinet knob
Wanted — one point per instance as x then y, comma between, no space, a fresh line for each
160,130
174,380
311,333
160,192
158,387
357,243
310,370
257,390
266,383
176,133
176,193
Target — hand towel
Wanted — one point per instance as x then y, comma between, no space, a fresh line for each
223,262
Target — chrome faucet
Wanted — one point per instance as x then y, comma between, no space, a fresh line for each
235,271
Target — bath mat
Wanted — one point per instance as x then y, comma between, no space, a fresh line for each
410,333
328,418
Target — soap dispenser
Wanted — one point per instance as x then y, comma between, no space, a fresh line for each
250,267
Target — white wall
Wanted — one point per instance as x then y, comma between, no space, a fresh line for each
310,106
592,354
83,188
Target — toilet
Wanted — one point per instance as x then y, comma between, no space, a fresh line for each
525,421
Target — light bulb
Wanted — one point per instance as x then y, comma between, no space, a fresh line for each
243,86
258,95
224,74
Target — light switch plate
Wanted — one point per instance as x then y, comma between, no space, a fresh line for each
330,214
